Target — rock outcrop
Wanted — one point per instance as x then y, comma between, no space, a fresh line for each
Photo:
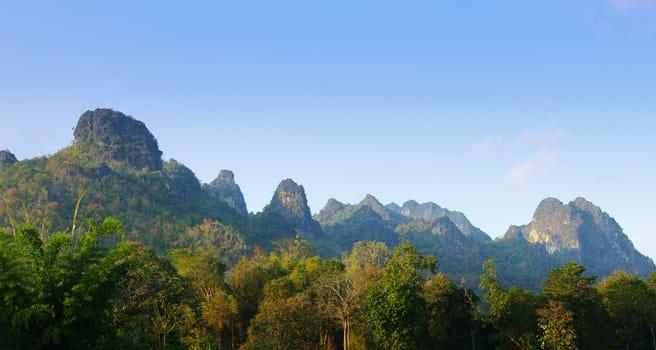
289,201
114,137
7,158
226,189
580,231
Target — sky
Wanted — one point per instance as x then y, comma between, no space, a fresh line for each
481,107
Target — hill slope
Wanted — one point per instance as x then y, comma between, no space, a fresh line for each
114,168
580,231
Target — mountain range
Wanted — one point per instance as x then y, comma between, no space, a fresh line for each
114,168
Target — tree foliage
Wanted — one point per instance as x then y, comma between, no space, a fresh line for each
93,289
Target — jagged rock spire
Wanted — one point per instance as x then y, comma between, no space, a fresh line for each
225,187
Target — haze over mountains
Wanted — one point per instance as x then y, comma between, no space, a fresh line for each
114,168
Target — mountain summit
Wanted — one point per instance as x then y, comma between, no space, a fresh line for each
290,203
114,168
114,137
225,187
581,231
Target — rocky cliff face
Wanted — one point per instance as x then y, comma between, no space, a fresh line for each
113,136
431,211
226,189
582,232
290,202
555,226
7,158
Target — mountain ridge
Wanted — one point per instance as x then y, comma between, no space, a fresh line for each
581,231
114,166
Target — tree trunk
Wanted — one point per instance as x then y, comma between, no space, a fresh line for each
345,334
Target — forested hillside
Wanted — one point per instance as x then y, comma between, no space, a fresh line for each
105,246
94,289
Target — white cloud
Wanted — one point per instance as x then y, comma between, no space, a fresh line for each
539,149
544,163
492,144
539,138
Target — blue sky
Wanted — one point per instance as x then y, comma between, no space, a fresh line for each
481,107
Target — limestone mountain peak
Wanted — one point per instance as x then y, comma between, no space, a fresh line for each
116,137
548,206
225,176
290,201
579,231
289,211
226,189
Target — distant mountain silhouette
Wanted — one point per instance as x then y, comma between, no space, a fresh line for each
114,168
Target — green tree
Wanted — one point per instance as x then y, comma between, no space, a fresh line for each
450,315
555,321
294,249
651,307
512,312
205,270
395,313
57,290
394,308
630,304
576,291
285,323
247,280
363,268
154,303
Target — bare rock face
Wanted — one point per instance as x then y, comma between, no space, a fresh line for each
226,189
7,158
582,232
555,226
290,202
115,137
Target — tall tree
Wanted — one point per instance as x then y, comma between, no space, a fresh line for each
576,291
395,309
450,315
630,304
511,311
555,321
205,270
285,323
339,297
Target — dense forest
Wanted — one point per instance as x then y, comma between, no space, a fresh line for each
106,246
97,290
